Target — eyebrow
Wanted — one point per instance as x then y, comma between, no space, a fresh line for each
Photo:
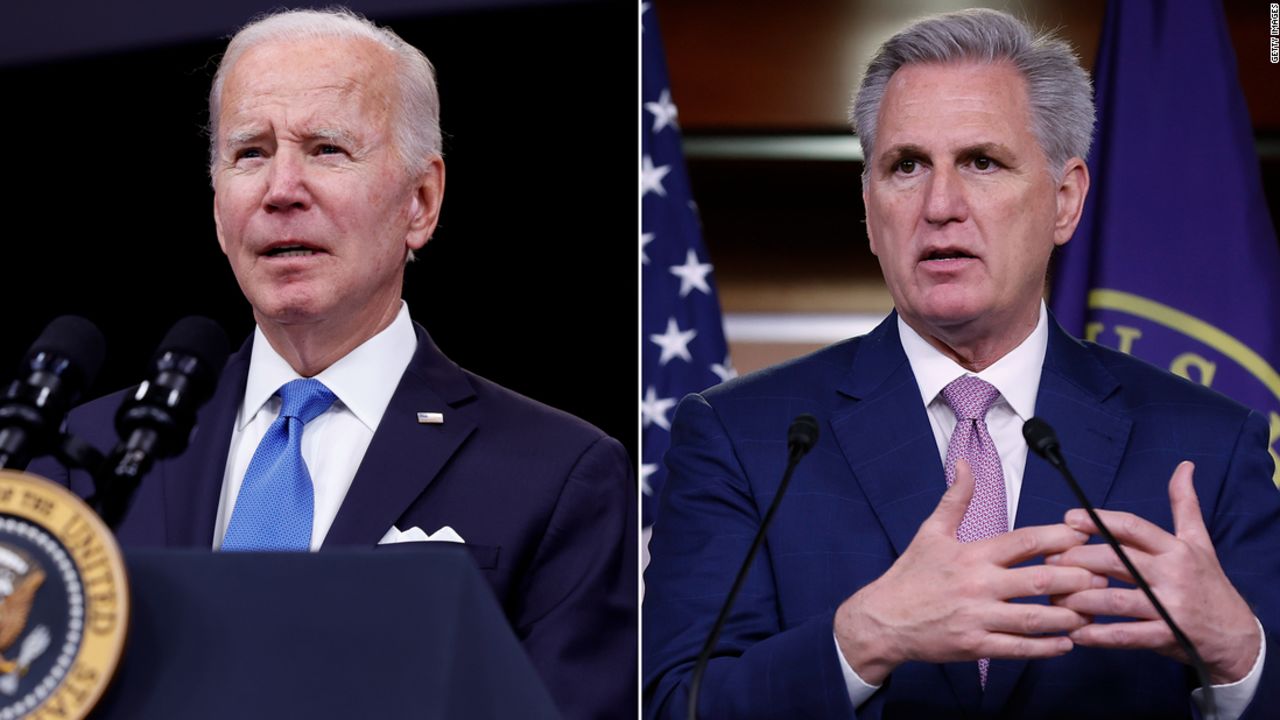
341,137
993,150
249,136
243,137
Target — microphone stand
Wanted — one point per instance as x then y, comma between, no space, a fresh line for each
801,437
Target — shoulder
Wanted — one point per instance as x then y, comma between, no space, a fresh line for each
526,421
519,426
808,375
94,421
1147,388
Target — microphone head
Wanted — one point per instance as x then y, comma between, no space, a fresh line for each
199,337
803,433
76,340
1040,438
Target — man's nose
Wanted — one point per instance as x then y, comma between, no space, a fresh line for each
287,187
945,199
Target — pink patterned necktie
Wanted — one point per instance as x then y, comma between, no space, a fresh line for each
988,515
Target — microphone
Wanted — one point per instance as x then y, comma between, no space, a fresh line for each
1043,441
157,419
801,437
62,362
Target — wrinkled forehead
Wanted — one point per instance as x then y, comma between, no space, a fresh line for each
923,101
325,76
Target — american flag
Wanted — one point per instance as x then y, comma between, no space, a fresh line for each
683,342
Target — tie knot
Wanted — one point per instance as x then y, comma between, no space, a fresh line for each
304,399
970,397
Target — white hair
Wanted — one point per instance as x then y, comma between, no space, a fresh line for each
416,120
1058,89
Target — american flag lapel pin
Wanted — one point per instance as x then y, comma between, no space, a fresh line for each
430,418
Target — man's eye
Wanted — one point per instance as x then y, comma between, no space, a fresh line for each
329,150
983,163
248,153
906,167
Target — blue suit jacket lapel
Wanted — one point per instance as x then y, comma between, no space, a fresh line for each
882,427
404,455
1074,388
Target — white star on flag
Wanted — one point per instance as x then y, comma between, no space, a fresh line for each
651,177
647,469
692,274
645,239
674,342
724,370
653,411
664,112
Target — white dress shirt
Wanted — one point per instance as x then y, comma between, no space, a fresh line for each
334,443
1017,377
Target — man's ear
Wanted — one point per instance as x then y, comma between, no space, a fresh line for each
871,237
1070,198
424,206
217,223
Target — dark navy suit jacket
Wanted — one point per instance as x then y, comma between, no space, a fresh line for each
545,502
858,498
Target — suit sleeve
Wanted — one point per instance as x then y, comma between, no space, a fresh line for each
577,619
704,528
1245,525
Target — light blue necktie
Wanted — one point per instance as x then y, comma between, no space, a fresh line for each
276,501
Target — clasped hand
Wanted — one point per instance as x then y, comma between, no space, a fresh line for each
946,601
1183,571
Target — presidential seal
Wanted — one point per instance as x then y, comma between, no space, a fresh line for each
64,601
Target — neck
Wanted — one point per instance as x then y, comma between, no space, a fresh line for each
311,347
976,349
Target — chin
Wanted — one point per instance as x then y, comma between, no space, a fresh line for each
955,309
288,310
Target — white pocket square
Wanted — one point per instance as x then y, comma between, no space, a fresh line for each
415,534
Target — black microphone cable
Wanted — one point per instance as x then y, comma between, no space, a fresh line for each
801,437
1044,442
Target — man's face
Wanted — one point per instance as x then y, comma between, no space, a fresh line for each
962,210
314,207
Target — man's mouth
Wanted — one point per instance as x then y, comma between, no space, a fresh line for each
285,251
948,255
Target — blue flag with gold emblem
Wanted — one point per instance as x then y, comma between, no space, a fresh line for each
1175,260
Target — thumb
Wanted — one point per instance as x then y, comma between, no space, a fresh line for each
955,501
1187,520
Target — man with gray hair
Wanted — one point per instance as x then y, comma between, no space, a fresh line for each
339,423
923,565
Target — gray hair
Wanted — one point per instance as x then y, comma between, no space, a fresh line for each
417,120
1059,90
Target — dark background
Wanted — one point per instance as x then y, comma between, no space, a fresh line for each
530,279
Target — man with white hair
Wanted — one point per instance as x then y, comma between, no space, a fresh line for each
923,565
339,423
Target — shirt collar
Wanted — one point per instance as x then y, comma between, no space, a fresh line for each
1016,375
363,380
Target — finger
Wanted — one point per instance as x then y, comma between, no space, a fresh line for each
1101,560
1115,602
1002,645
1188,522
1129,529
951,508
1033,619
1025,543
1151,634
1039,580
